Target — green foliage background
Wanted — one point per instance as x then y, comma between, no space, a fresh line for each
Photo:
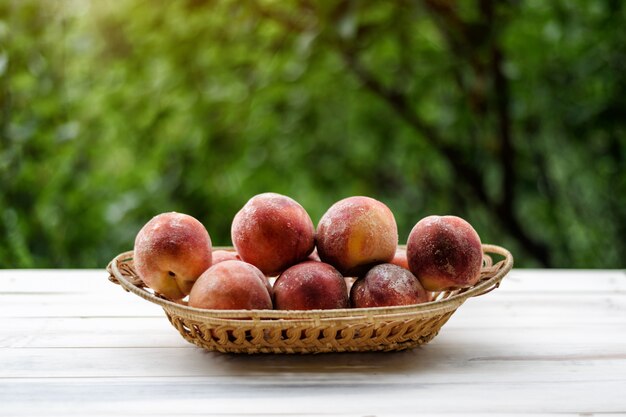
510,114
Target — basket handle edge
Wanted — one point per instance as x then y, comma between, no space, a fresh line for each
493,282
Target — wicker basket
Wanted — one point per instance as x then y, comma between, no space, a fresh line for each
314,331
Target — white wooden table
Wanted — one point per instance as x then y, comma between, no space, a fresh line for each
545,342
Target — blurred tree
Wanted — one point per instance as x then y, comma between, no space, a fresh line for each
510,114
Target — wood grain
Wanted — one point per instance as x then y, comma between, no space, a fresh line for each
545,343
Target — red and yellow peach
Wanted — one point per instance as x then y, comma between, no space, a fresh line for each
273,232
444,253
355,233
231,285
310,285
387,285
171,251
221,255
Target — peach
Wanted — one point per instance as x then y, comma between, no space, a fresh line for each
310,285
398,259
171,251
231,285
387,285
356,233
272,232
222,255
444,253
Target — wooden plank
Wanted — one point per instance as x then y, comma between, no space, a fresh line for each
89,333
454,357
226,396
522,280
157,332
560,280
42,306
53,280
76,344
572,306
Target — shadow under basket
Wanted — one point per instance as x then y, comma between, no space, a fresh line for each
315,331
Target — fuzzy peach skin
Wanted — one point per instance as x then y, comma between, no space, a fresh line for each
355,233
387,285
273,232
310,285
221,255
398,259
444,253
231,285
171,251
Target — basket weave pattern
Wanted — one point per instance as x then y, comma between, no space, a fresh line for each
314,331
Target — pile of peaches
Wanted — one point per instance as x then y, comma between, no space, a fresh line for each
282,262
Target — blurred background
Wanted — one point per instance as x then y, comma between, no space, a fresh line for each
511,114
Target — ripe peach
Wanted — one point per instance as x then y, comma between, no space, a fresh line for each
398,259
273,232
231,285
387,285
444,252
221,255
310,285
171,251
355,233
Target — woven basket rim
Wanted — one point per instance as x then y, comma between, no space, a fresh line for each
433,307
